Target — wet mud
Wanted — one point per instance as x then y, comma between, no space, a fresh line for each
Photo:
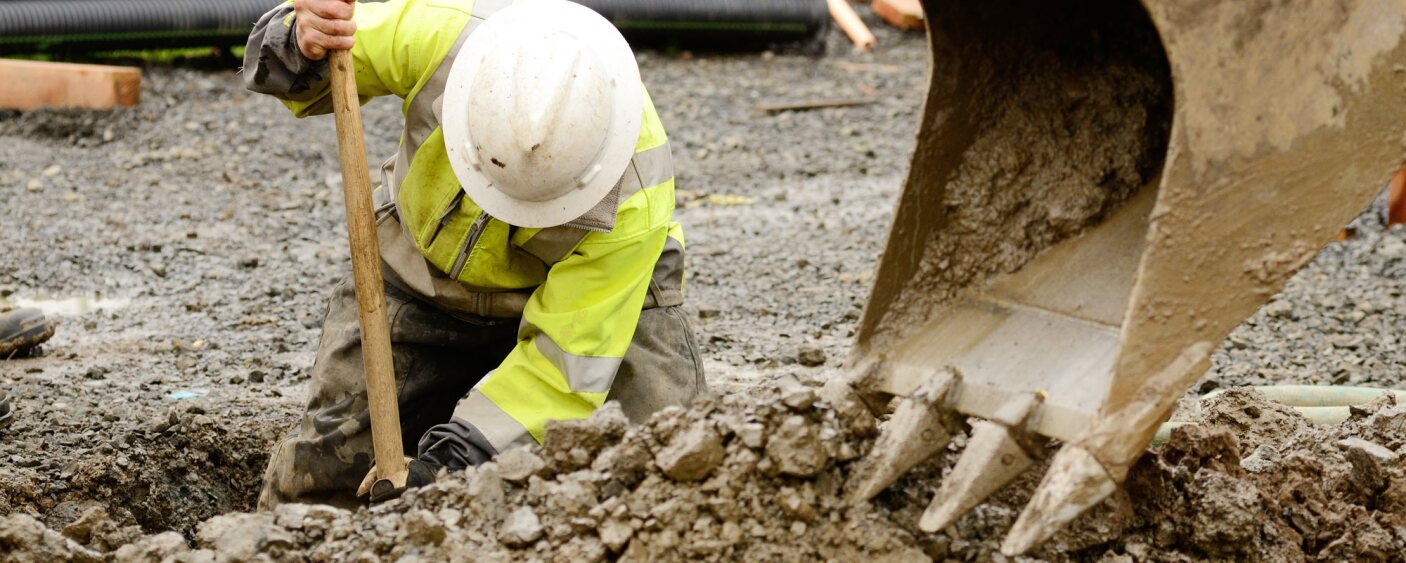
1049,122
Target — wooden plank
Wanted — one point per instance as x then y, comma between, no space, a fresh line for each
26,85
902,14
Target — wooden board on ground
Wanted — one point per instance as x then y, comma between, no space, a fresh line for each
26,85
902,14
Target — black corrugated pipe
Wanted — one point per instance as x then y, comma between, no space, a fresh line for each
716,24
49,26
59,26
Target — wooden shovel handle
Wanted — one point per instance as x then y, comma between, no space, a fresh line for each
366,273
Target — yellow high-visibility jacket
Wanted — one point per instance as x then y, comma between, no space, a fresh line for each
587,280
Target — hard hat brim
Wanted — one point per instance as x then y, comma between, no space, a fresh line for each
625,117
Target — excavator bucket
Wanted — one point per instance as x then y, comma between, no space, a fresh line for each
1101,191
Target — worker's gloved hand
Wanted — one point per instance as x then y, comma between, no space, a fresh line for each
455,445
421,473
322,26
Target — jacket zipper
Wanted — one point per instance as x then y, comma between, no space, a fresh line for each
469,241
444,217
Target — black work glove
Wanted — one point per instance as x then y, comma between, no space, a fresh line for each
455,445
420,473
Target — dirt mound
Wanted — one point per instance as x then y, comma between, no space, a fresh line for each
760,477
1253,483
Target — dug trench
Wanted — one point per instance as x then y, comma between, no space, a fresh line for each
166,473
216,216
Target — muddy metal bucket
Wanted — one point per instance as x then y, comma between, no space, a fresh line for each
1101,191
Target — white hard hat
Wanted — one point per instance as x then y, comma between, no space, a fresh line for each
542,112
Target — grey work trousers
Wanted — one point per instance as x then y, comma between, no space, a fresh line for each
438,358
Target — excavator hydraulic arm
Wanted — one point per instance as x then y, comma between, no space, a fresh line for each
1100,192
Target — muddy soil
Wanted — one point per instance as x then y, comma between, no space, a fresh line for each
760,476
202,233
1051,145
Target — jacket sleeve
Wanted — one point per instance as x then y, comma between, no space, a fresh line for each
573,337
274,65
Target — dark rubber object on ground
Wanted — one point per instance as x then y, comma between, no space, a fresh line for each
23,329
5,414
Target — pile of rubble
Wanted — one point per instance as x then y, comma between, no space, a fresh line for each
762,476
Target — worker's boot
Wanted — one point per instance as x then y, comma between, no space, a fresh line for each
22,330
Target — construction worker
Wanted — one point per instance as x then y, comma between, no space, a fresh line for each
21,332
533,268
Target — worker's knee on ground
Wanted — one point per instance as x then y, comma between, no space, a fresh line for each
315,470
661,368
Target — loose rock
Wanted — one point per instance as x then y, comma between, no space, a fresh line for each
516,465
693,454
810,355
521,528
795,448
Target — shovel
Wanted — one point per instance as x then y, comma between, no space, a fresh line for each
390,469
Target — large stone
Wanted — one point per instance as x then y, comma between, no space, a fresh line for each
1372,449
518,464
692,454
811,355
521,528
297,516
615,534
795,449
794,394
160,547
24,539
244,537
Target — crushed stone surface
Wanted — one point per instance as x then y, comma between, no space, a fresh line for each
204,230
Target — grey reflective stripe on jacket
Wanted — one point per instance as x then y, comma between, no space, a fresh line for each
502,430
584,374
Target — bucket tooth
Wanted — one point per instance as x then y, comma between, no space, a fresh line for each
921,426
998,452
993,458
1075,482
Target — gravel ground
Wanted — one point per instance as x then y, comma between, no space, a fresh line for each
196,238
